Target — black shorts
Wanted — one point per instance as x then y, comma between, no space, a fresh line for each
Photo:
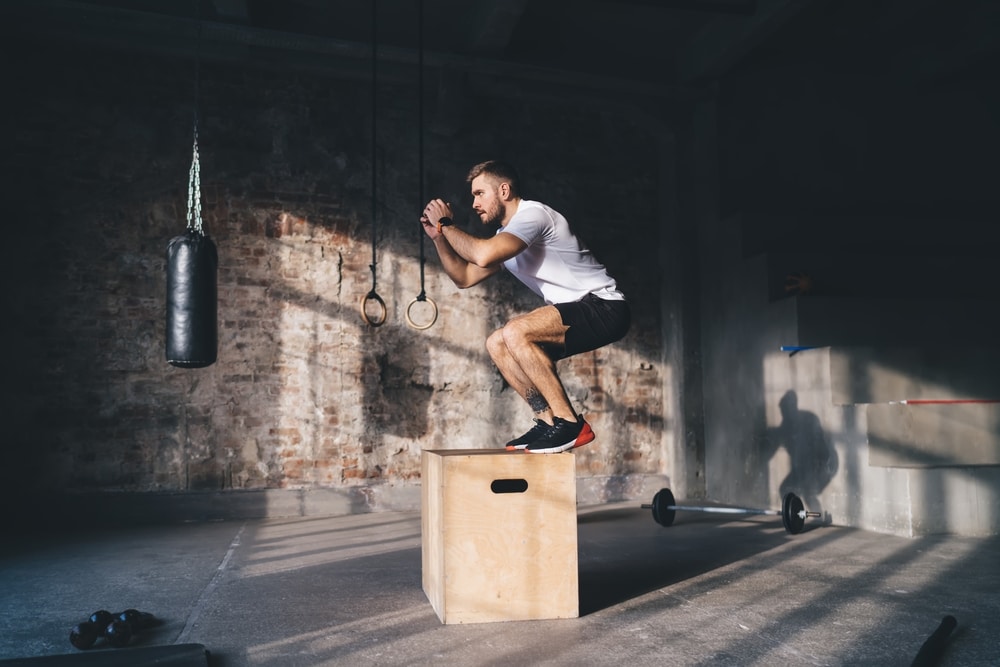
593,322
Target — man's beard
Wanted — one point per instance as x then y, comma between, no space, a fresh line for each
496,217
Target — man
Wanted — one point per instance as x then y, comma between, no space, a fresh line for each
584,309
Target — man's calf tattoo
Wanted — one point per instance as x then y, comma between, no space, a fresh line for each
536,401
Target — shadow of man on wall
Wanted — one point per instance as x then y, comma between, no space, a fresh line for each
813,460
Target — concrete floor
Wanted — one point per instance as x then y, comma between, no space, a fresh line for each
346,590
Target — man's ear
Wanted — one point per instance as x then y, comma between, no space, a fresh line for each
504,190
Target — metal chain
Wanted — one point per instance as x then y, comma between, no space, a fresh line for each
194,190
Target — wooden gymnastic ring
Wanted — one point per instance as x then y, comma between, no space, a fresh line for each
373,296
421,327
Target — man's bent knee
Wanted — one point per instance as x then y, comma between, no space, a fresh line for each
495,344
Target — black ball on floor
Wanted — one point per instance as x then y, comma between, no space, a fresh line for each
118,633
137,620
84,635
130,616
101,619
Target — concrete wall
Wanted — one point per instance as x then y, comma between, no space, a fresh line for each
813,422
831,451
304,395
871,175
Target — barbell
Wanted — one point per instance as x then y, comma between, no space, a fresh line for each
793,513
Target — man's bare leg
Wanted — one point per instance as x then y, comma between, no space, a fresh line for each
511,372
516,350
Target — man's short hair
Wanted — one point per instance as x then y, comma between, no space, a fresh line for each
499,170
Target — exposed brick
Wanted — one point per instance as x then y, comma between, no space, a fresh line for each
304,393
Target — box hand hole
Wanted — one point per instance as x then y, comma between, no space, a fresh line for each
509,485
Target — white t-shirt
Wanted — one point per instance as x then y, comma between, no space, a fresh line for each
556,266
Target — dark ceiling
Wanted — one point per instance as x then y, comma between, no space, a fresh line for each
646,47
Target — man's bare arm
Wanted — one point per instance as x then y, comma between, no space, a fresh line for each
468,260
482,257
461,271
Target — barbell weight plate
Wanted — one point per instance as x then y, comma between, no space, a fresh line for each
792,514
663,502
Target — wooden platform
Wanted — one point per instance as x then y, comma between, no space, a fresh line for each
499,535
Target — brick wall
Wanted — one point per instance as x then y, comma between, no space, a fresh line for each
304,394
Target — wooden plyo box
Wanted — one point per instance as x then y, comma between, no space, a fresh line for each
499,535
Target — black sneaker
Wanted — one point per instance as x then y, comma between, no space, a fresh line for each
562,436
536,431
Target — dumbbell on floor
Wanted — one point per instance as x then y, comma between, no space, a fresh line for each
83,635
793,513
117,629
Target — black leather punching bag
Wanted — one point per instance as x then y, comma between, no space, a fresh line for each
192,311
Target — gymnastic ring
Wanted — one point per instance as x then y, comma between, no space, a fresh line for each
373,296
421,327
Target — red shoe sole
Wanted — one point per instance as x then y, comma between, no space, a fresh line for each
586,435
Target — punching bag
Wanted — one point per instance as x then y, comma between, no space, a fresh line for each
192,267
192,318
